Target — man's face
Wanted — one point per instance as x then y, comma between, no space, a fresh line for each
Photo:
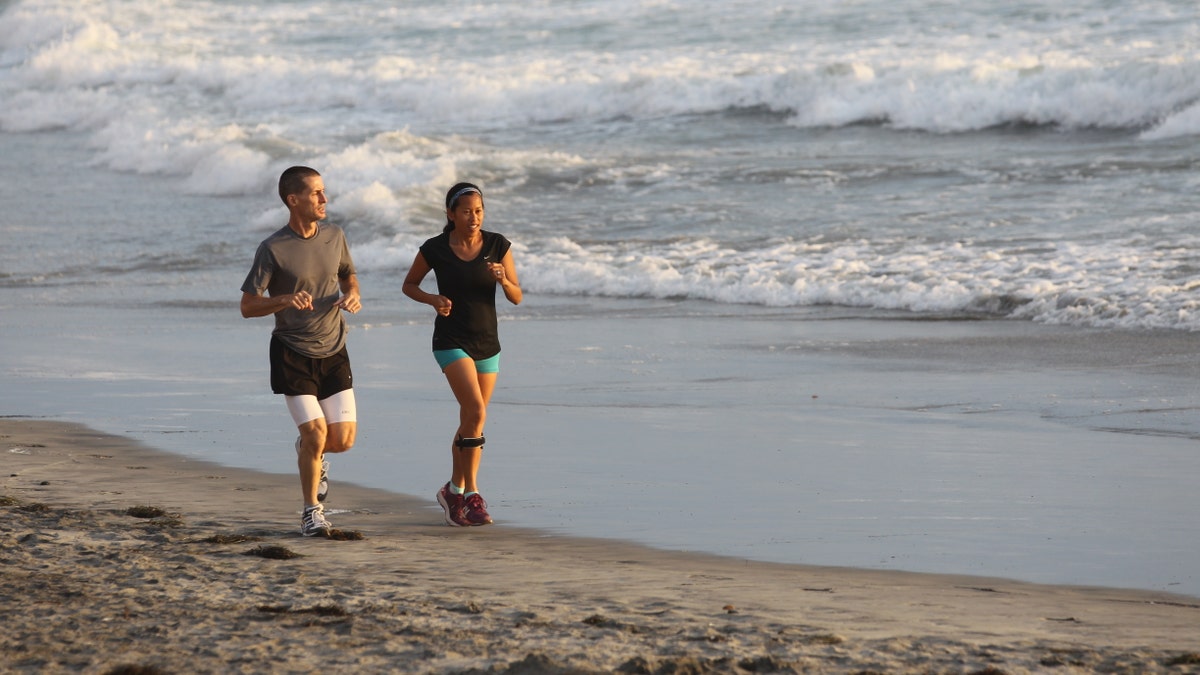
310,202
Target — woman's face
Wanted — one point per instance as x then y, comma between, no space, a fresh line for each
467,214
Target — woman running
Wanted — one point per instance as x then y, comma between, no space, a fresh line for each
468,262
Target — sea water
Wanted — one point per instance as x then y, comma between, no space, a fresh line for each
1013,159
690,161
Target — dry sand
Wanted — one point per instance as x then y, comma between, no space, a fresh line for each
88,587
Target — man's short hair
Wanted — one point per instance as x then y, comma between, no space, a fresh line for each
292,180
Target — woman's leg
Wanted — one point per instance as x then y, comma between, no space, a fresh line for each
473,391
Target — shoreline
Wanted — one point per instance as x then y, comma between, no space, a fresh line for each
994,449
99,588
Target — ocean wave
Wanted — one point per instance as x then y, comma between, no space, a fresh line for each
1109,285
64,86
1184,122
395,101
162,95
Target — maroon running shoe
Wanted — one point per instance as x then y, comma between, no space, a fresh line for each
476,510
453,505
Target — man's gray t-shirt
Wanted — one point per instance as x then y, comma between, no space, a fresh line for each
288,263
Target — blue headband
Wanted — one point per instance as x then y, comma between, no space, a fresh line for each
466,190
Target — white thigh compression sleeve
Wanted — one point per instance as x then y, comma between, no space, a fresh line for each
303,408
340,407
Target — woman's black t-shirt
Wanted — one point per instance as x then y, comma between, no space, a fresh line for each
471,325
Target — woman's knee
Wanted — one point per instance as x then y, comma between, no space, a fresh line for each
473,415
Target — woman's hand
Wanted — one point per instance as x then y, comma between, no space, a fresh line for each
505,273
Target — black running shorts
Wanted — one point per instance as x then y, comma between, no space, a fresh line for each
294,374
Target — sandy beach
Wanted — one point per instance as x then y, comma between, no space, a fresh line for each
836,354
121,558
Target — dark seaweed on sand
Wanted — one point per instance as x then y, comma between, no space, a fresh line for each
146,512
274,552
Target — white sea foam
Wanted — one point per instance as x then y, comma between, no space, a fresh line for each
1185,122
1108,285
398,101
159,64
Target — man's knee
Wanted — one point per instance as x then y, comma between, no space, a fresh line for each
313,435
341,437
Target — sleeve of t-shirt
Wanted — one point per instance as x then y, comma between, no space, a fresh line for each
346,266
260,272
430,254
501,246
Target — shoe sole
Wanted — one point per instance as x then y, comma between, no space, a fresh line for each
446,510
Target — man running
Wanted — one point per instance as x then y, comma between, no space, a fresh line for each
303,275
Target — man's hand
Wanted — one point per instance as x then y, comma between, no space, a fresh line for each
350,302
301,300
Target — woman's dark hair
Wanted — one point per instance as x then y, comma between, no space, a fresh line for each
454,194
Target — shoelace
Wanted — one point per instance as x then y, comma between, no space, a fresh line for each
315,517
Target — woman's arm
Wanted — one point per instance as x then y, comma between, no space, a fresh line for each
508,280
412,287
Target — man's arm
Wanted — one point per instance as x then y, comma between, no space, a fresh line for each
350,300
262,305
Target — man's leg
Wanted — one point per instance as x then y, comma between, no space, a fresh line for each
340,412
341,417
310,421
312,447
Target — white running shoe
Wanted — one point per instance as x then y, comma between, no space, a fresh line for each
323,481
313,522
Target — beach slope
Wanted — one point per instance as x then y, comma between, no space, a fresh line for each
120,558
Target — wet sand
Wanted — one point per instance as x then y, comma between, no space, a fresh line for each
203,581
